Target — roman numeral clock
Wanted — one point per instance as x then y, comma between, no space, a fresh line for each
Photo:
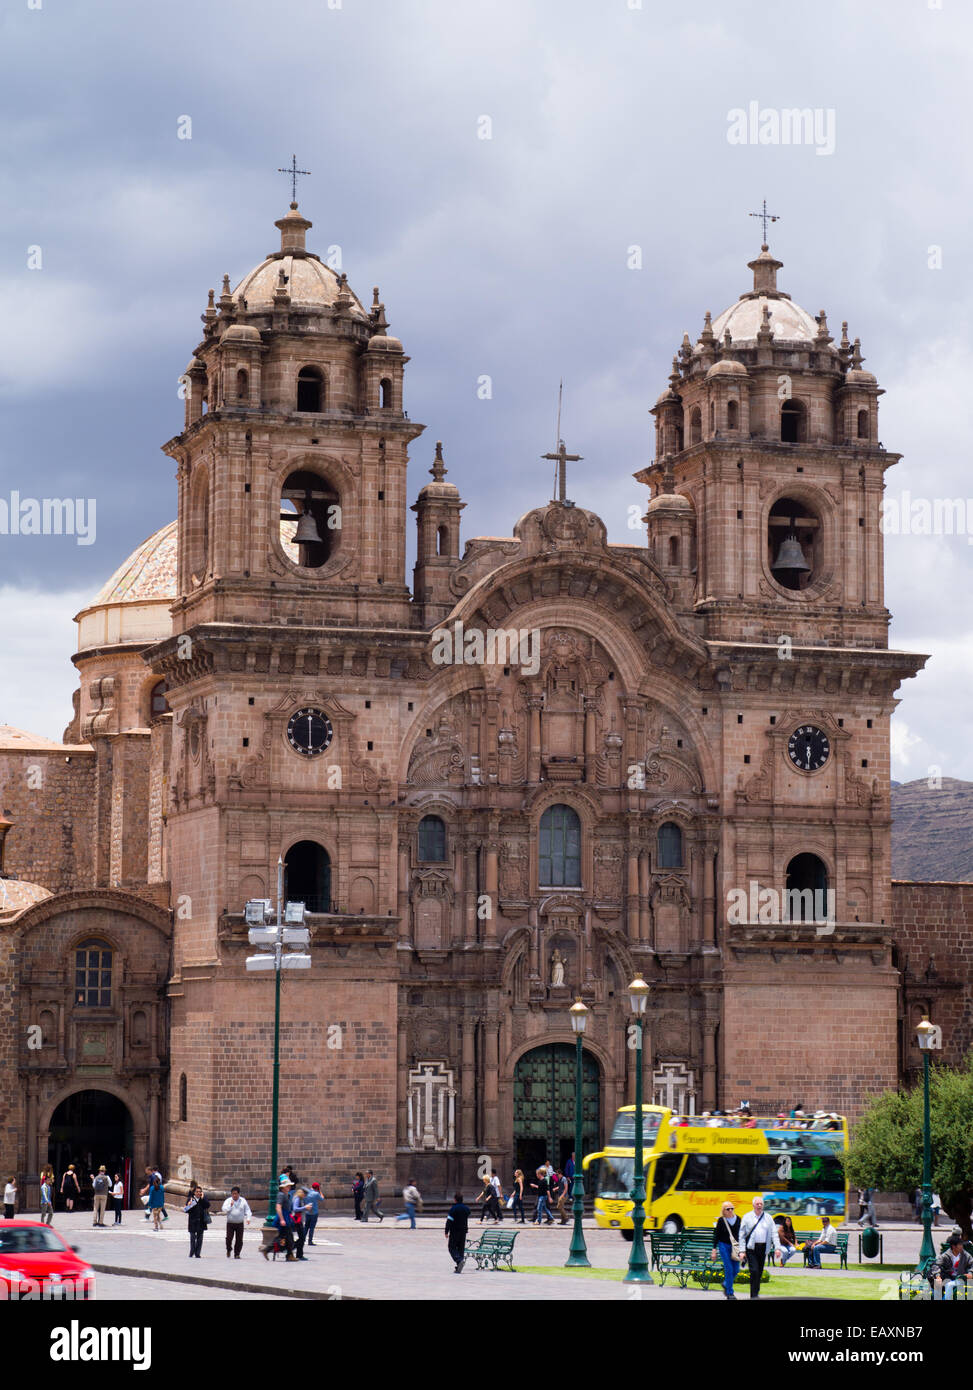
309,731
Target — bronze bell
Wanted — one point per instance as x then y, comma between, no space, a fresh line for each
307,530
790,556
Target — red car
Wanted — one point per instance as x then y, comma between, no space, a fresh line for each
36,1263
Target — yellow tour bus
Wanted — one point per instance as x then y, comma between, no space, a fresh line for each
693,1164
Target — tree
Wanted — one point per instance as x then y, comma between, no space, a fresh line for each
886,1150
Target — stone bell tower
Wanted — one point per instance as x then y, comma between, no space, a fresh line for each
292,462
767,486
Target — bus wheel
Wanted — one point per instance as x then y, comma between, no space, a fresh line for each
628,1235
671,1226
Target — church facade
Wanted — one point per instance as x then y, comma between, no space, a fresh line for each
552,765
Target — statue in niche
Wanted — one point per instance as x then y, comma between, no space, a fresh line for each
557,970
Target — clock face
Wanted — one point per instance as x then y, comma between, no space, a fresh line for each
808,748
309,732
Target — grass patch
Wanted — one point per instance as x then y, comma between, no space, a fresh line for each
785,1285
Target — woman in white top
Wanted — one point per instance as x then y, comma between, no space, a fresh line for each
118,1198
9,1199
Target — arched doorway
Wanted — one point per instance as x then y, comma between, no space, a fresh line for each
87,1129
544,1106
307,876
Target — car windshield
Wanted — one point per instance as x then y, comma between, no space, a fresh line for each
29,1240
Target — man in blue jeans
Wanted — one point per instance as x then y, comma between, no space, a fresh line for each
827,1245
312,1200
542,1187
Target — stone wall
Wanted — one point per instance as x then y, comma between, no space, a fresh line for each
934,951
49,796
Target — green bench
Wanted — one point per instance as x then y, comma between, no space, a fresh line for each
495,1250
842,1242
917,1286
688,1255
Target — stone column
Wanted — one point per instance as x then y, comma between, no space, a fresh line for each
492,880
644,897
491,1081
709,897
403,1083
709,1064
535,703
633,893
590,725
405,916
457,918
467,1112
471,849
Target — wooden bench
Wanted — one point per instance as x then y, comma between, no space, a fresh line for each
690,1256
842,1243
495,1250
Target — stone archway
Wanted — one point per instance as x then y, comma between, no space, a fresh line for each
543,1119
88,1128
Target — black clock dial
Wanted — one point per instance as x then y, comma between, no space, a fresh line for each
309,732
808,748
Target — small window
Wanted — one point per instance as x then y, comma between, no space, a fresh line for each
732,415
432,840
559,859
669,844
242,386
695,425
674,551
183,1098
92,975
863,424
442,541
158,704
310,392
792,423
385,393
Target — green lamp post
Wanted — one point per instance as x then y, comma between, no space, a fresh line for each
638,1265
578,1256
928,1036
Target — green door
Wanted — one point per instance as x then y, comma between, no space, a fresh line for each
544,1106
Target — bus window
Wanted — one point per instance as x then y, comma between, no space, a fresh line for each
697,1176
623,1133
616,1177
664,1176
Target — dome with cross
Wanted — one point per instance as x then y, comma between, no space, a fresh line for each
295,275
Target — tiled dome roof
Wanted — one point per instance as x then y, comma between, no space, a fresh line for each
16,894
148,573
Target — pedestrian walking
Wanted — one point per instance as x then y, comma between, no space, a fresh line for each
297,1216
542,1187
412,1200
569,1170
868,1203
726,1245
563,1196
758,1236
237,1211
916,1203
937,1205
156,1202
47,1200
488,1196
357,1188
70,1190
457,1226
150,1175
516,1201
118,1198
101,1186
370,1198
312,1202
283,1218
10,1199
197,1209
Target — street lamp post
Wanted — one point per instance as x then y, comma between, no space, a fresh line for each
287,932
578,1256
928,1036
638,1265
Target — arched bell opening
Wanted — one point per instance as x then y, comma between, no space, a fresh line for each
310,519
793,543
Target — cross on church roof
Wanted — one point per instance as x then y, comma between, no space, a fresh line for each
293,171
766,217
562,458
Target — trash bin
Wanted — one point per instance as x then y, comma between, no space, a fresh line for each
869,1242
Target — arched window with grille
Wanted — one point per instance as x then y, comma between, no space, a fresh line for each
559,848
92,975
669,845
432,840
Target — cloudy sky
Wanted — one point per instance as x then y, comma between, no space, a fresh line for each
508,257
